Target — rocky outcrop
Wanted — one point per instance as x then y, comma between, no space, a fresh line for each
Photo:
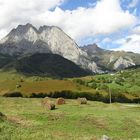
122,63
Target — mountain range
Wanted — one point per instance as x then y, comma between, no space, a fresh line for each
111,60
26,43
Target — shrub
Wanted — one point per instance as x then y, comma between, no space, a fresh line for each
117,96
92,85
38,95
136,100
13,94
79,81
104,87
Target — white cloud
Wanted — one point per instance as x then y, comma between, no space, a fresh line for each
130,43
133,3
107,40
105,18
96,40
136,30
14,12
92,4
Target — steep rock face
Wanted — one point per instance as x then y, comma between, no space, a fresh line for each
60,43
26,39
122,63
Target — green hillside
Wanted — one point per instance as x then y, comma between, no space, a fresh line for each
5,60
123,85
51,65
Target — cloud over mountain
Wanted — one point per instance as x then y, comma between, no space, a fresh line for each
130,43
105,17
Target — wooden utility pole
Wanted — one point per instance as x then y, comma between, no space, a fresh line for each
109,95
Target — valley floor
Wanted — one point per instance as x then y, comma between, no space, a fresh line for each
28,120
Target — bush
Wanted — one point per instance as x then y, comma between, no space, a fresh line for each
136,100
92,85
38,95
79,81
13,94
103,87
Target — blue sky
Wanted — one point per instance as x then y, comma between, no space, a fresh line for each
112,24
73,4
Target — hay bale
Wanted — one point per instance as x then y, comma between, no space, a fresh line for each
60,101
46,102
82,100
46,99
50,105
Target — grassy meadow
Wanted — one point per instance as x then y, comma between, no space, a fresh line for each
27,119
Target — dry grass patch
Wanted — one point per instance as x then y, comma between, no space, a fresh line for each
99,123
55,116
19,120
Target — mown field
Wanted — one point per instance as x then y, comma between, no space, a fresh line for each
28,120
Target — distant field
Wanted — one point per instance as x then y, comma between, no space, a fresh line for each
28,120
124,86
35,84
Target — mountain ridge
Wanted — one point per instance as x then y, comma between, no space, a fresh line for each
26,39
111,60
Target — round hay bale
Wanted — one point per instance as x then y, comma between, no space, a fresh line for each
46,99
60,101
50,105
82,100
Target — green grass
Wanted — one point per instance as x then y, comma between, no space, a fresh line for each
28,120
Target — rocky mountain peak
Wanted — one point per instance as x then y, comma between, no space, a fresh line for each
27,32
92,48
